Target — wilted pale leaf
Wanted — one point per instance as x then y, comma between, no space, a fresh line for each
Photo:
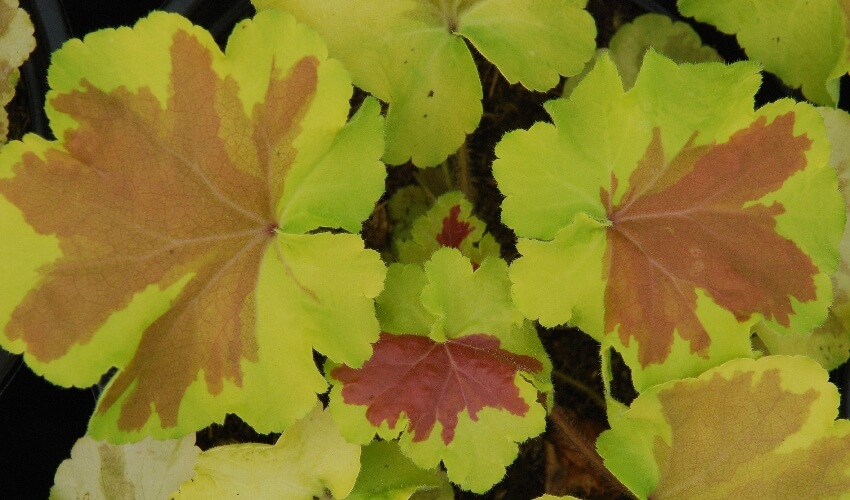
310,457
147,470
16,43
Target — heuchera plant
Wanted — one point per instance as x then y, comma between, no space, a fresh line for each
194,225
412,54
461,374
687,220
170,230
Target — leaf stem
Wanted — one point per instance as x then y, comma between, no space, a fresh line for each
463,172
447,175
421,181
567,429
582,387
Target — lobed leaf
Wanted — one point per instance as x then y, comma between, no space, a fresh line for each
671,221
16,43
674,39
532,43
462,377
748,428
170,230
804,43
433,382
308,459
147,470
828,344
448,223
386,474
411,54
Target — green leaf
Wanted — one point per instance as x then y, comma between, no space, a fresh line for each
804,43
147,470
532,43
449,223
747,428
308,459
674,39
403,208
412,54
670,218
386,474
16,43
170,231
557,281
462,388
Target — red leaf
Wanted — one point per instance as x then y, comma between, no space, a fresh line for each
430,381
692,224
454,230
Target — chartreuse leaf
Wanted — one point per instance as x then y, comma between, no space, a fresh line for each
448,223
828,344
309,458
147,470
670,218
674,39
386,474
170,230
404,207
749,428
804,43
412,54
532,43
16,43
459,382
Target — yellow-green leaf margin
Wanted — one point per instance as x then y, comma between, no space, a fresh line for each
123,245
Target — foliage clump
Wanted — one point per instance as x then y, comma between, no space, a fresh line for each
195,227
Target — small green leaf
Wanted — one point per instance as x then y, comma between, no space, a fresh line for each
386,474
674,39
747,428
147,470
310,457
399,306
804,43
404,207
448,223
